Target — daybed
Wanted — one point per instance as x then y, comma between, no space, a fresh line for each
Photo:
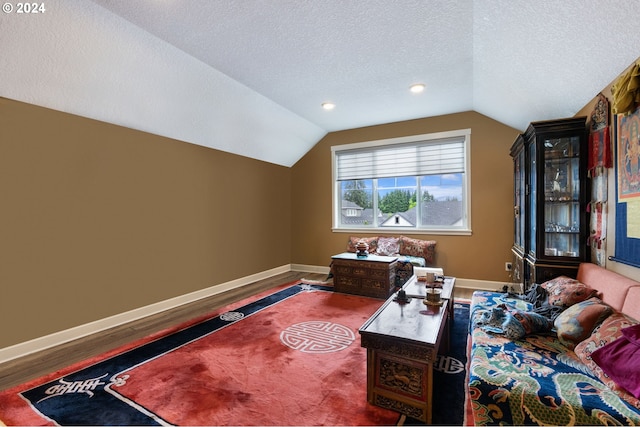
541,359
410,252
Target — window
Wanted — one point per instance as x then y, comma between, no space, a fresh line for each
417,183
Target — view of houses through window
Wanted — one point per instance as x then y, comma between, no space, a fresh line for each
428,190
396,202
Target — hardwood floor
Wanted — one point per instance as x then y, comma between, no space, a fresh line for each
32,366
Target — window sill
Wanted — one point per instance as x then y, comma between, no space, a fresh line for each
395,231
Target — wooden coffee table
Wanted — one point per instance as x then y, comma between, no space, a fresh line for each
402,342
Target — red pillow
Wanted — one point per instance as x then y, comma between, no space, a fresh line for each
620,360
564,291
419,248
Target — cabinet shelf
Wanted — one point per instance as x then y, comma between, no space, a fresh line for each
559,201
551,157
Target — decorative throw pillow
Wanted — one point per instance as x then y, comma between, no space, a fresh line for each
564,291
512,323
353,241
577,322
388,246
608,331
620,360
420,248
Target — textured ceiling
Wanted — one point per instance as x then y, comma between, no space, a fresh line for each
248,76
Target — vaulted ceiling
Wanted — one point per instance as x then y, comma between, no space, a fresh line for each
249,76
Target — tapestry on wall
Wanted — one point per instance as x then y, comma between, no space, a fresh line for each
627,245
600,159
626,90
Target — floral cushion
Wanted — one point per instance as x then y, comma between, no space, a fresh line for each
620,360
564,291
418,248
353,242
388,246
577,322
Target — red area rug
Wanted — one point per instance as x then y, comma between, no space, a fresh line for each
293,358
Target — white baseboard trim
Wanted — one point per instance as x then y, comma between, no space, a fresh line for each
310,268
62,337
58,338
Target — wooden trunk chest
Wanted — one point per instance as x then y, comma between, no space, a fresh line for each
373,276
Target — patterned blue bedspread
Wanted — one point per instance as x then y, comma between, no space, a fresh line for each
535,380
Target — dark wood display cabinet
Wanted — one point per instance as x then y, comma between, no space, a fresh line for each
551,193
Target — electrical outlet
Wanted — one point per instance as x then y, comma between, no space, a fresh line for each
508,266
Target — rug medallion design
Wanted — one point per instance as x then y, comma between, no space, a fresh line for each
317,336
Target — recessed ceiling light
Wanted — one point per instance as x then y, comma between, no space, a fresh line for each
328,105
417,88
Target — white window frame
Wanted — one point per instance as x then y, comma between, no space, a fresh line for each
464,229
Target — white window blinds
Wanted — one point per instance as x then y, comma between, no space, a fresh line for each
407,159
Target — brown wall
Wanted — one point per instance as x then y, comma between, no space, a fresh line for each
97,219
480,256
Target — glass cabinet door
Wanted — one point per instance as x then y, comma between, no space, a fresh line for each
532,194
519,176
562,207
